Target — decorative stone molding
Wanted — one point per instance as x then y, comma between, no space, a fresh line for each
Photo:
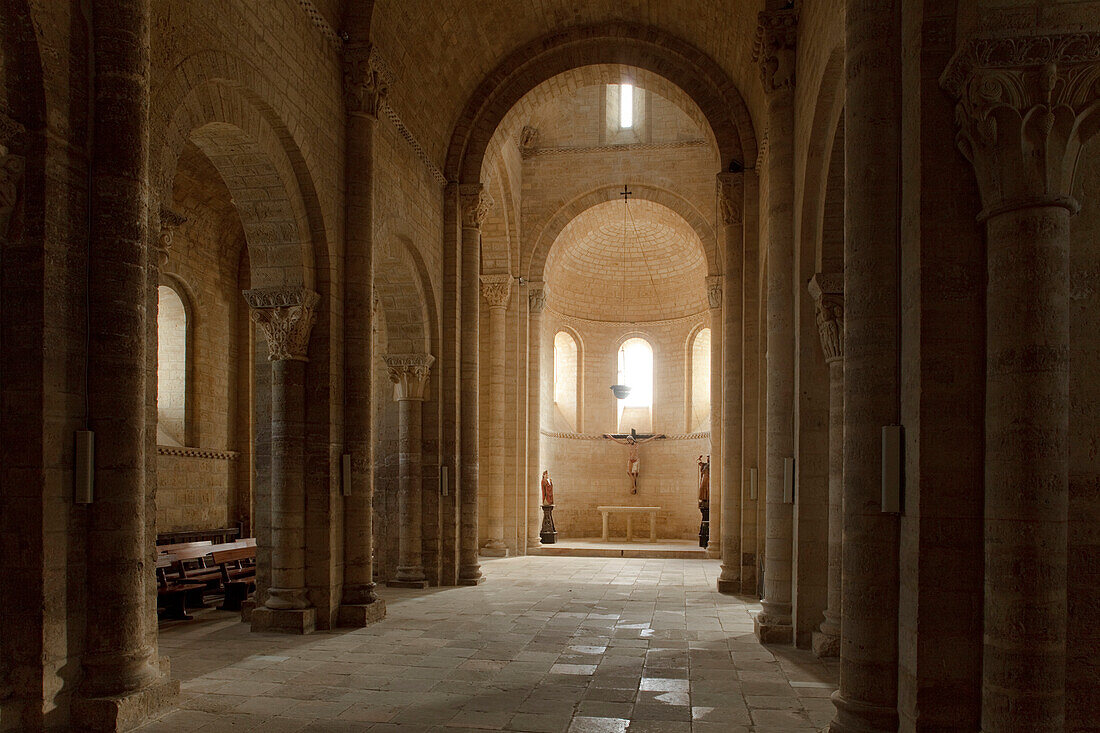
170,221
827,290
366,80
409,374
403,131
731,197
761,152
528,140
496,289
475,202
690,320
536,297
623,148
286,316
714,291
320,23
1026,106
187,452
774,50
705,435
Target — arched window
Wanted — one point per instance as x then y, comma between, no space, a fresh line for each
171,368
565,380
700,381
636,372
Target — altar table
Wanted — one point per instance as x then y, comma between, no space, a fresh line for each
630,511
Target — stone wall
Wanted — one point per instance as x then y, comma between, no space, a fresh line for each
194,489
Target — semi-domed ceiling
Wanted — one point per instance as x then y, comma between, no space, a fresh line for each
636,264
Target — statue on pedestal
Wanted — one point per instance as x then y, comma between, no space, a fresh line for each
704,500
548,534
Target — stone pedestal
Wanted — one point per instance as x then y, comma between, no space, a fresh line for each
360,615
284,620
704,524
548,534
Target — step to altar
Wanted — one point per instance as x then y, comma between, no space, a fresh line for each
595,547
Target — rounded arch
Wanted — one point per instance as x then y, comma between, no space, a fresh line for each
405,297
549,232
216,101
696,360
628,44
824,130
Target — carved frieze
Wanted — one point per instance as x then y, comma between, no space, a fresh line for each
409,374
1026,106
286,316
714,291
774,50
827,290
496,289
475,203
366,80
731,197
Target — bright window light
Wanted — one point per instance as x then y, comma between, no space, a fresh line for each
626,106
636,371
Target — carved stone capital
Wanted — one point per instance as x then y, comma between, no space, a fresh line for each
731,197
827,290
170,221
528,141
286,316
536,297
1026,107
409,374
714,291
774,50
496,289
475,203
366,80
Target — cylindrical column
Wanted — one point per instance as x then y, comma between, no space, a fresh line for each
365,89
827,291
409,374
867,698
731,197
474,203
497,290
775,53
714,298
286,317
536,301
117,658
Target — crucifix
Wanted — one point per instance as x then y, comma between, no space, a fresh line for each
632,441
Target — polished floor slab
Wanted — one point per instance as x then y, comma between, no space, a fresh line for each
547,645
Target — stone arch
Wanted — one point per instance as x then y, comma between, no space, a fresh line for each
577,424
217,101
497,233
692,403
189,434
404,295
626,44
826,128
548,234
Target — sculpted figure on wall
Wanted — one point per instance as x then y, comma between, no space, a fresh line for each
633,467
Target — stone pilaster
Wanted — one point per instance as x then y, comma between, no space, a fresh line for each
1027,106
474,205
730,192
286,316
714,300
409,374
366,82
774,52
827,290
497,291
536,302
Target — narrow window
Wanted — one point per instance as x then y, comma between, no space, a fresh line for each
565,380
636,372
700,381
171,368
626,106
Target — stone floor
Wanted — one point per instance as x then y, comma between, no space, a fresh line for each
596,547
548,644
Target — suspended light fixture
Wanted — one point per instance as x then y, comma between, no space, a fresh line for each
622,391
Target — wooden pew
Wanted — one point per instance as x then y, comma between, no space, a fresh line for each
172,593
183,546
238,571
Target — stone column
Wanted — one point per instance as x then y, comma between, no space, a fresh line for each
1027,106
827,290
122,681
365,86
497,291
536,301
867,698
714,299
286,316
474,205
409,374
775,52
731,199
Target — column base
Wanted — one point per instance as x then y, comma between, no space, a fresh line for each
858,717
360,615
825,645
730,587
494,550
247,607
406,584
285,621
772,631
713,552
533,542
127,711
472,581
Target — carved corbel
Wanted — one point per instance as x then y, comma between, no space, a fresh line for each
827,290
409,374
367,79
286,316
170,221
496,289
475,203
714,291
774,50
731,197
536,297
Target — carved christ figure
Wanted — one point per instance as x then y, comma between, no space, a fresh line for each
632,465
704,481
547,489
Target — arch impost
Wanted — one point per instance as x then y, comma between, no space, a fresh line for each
286,316
496,289
409,374
475,203
731,197
827,290
714,291
774,50
367,79
1026,106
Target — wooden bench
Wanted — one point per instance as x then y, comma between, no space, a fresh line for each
183,546
221,536
238,573
194,565
630,511
173,594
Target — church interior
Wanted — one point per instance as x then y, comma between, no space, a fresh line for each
723,366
